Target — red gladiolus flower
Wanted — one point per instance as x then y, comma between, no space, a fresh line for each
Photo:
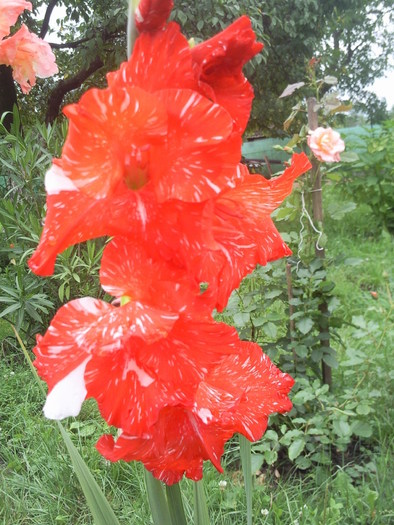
151,15
236,230
134,360
127,147
214,67
236,396
153,161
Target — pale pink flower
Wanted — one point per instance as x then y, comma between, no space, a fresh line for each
29,57
326,144
9,12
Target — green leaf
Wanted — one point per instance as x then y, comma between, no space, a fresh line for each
363,410
349,156
337,210
296,448
157,501
272,294
270,330
353,261
98,505
241,318
302,397
330,360
362,429
256,461
10,309
246,459
304,325
201,516
175,504
303,463
341,428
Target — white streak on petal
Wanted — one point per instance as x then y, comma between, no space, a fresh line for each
56,181
205,415
67,396
144,378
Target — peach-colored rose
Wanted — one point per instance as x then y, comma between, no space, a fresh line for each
29,57
9,12
326,144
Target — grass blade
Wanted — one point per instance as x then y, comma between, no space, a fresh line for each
246,459
157,500
201,516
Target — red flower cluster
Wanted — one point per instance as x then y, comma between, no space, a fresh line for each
153,161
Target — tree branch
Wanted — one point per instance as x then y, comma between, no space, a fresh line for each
71,45
45,23
65,86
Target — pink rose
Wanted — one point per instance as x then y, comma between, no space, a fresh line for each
29,57
326,144
9,12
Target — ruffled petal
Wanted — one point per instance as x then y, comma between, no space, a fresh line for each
29,56
132,386
218,64
237,395
110,136
9,13
127,270
85,326
242,391
72,217
178,445
171,68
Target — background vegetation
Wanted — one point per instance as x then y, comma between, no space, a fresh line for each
329,460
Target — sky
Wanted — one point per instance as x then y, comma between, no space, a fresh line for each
384,88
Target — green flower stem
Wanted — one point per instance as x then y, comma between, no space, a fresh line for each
157,500
246,460
175,505
131,29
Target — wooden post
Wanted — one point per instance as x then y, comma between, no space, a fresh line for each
317,211
291,311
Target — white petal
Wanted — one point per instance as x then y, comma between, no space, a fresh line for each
67,396
56,181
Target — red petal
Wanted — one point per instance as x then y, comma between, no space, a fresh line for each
73,216
243,390
151,15
178,445
218,65
159,61
126,269
200,156
110,134
87,326
237,396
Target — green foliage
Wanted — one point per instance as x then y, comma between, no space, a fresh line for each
28,301
370,178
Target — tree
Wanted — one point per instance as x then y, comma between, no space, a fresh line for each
91,41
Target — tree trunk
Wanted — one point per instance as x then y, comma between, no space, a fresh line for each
7,95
